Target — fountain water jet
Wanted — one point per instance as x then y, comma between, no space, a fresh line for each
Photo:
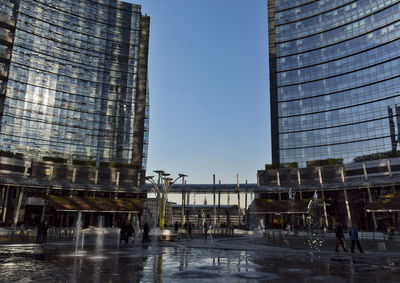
314,238
83,240
137,229
78,230
100,234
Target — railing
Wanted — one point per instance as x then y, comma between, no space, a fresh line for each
278,234
29,235
221,231
199,233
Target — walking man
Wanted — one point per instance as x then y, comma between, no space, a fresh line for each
189,230
354,239
339,237
146,238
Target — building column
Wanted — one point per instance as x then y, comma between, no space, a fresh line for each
3,192
238,193
183,208
373,213
346,201
325,212
215,207
5,203
245,207
18,207
219,208
44,205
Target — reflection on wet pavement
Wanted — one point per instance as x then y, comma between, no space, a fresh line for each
153,263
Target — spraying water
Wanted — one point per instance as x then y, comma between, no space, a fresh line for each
137,229
78,230
314,238
100,234
83,240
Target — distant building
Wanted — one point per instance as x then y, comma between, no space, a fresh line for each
73,104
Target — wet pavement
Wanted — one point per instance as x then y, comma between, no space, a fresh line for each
221,260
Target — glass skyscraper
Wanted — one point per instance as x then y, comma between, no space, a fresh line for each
73,77
334,79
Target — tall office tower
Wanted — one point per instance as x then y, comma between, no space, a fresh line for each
73,77
334,79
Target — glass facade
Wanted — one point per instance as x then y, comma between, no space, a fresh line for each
72,84
335,79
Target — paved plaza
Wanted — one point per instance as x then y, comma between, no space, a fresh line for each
235,259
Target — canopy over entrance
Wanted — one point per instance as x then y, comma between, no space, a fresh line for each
94,204
388,203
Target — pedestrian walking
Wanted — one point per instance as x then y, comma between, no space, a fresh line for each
189,230
39,235
44,236
123,233
354,239
146,238
339,238
129,233
205,230
176,227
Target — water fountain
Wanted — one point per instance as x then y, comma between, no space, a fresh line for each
83,240
78,230
137,229
261,227
118,238
314,239
100,234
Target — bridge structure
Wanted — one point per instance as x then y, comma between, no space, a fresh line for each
217,191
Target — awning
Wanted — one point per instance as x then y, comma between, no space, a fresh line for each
388,203
95,204
269,206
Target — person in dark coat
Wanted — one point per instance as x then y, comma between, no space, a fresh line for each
146,238
39,235
129,233
354,239
189,230
123,233
44,236
176,227
205,230
339,238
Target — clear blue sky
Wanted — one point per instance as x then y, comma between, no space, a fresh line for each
208,74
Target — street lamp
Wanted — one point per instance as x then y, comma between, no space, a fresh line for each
161,189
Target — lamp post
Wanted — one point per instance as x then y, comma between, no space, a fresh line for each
161,189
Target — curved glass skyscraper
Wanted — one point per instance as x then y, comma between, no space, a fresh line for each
334,79
76,82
